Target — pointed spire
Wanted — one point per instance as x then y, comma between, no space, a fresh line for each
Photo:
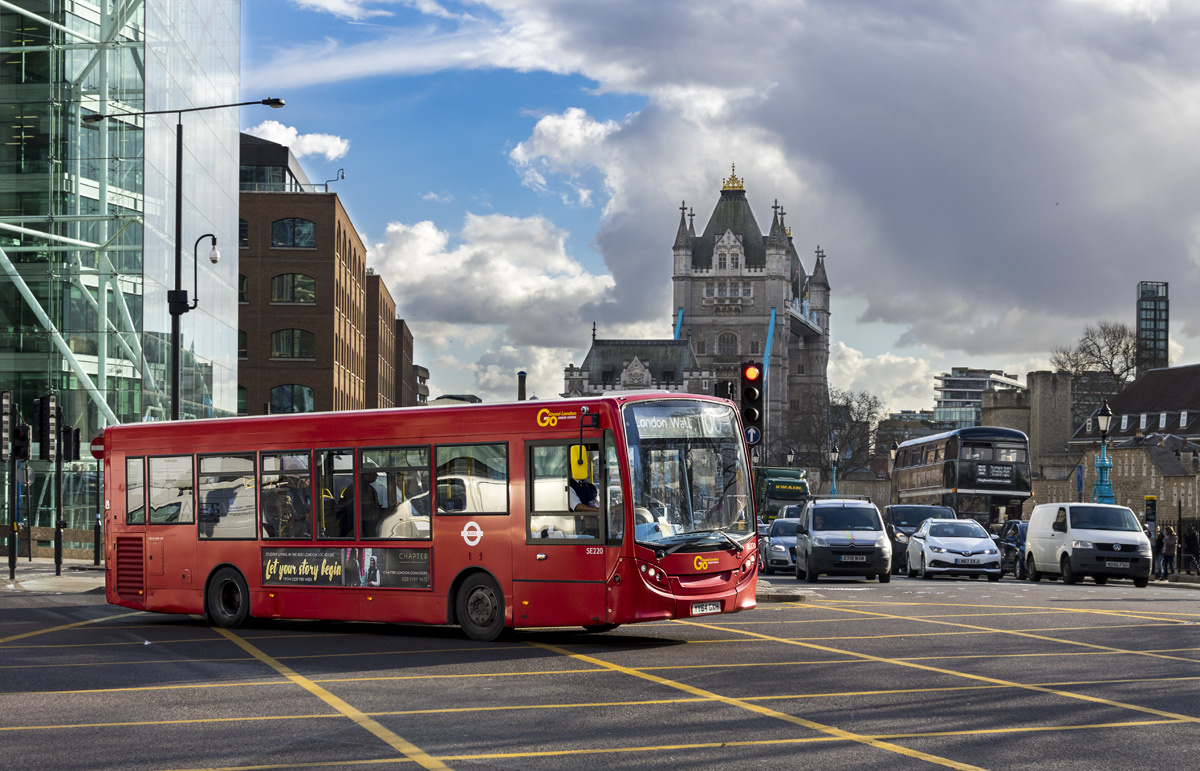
691,222
777,239
818,274
681,236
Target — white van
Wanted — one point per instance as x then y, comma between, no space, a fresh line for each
1086,539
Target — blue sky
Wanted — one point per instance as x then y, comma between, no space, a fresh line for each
986,178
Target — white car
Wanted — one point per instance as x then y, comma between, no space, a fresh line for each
956,547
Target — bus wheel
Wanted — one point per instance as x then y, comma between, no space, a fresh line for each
597,628
480,606
228,599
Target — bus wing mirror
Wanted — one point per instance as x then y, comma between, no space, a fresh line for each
579,462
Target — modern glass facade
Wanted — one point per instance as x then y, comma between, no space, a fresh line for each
1153,324
87,215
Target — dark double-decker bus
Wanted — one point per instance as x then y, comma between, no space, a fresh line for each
981,472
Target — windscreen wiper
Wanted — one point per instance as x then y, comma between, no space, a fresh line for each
733,541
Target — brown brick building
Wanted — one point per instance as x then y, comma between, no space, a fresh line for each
317,331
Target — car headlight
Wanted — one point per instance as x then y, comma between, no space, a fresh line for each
992,551
937,549
777,547
901,538
819,541
1082,545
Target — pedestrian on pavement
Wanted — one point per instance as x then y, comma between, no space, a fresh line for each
1170,542
1156,559
1191,550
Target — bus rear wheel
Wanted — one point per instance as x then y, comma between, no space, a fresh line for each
228,599
480,608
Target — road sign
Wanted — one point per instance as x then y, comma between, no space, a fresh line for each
753,435
97,447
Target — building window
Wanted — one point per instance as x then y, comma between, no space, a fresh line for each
294,288
722,289
291,398
708,289
293,344
1124,422
241,344
733,261
243,234
242,400
1162,420
243,290
700,347
721,262
1183,419
1142,422
746,289
799,369
1089,426
294,232
754,347
727,344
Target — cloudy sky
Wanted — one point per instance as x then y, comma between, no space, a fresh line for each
985,178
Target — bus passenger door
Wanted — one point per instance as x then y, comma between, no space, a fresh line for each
559,568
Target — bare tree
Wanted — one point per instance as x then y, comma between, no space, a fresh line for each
1103,361
849,424
1109,347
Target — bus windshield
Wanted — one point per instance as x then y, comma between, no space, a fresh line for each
690,479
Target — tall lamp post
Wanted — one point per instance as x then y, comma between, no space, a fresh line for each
895,448
833,459
177,300
791,456
1102,490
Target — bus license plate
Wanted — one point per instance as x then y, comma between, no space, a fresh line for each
1111,564
700,608
966,562
854,558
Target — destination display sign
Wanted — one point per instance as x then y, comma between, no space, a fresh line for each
349,566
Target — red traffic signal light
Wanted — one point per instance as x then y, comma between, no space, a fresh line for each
751,373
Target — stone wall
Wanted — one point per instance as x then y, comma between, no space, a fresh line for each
1133,477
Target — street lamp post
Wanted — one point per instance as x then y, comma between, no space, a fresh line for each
895,448
1102,490
177,302
791,456
833,459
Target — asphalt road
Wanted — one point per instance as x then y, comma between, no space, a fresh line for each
912,674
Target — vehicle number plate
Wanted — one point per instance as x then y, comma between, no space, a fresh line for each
700,608
854,558
1111,564
966,562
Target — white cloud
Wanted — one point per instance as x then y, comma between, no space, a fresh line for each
355,10
437,198
507,289
332,147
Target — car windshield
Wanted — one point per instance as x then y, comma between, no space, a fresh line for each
913,516
967,528
690,478
846,518
1103,518
785,528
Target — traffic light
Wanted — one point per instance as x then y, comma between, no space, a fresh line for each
21,439
47,423
6,421
752,401
69,448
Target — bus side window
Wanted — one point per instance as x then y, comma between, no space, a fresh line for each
135,491
227,497
335,486
170,490
286,492
551,514
471,479
615,499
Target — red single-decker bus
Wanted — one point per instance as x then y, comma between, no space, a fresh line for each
453,515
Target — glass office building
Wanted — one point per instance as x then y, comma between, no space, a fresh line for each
1153,325
87,217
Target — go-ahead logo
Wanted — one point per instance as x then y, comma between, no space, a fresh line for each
701,563
546,418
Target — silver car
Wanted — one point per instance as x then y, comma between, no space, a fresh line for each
777,550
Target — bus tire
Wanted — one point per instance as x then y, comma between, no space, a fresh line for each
1032,574
480,608
228,600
